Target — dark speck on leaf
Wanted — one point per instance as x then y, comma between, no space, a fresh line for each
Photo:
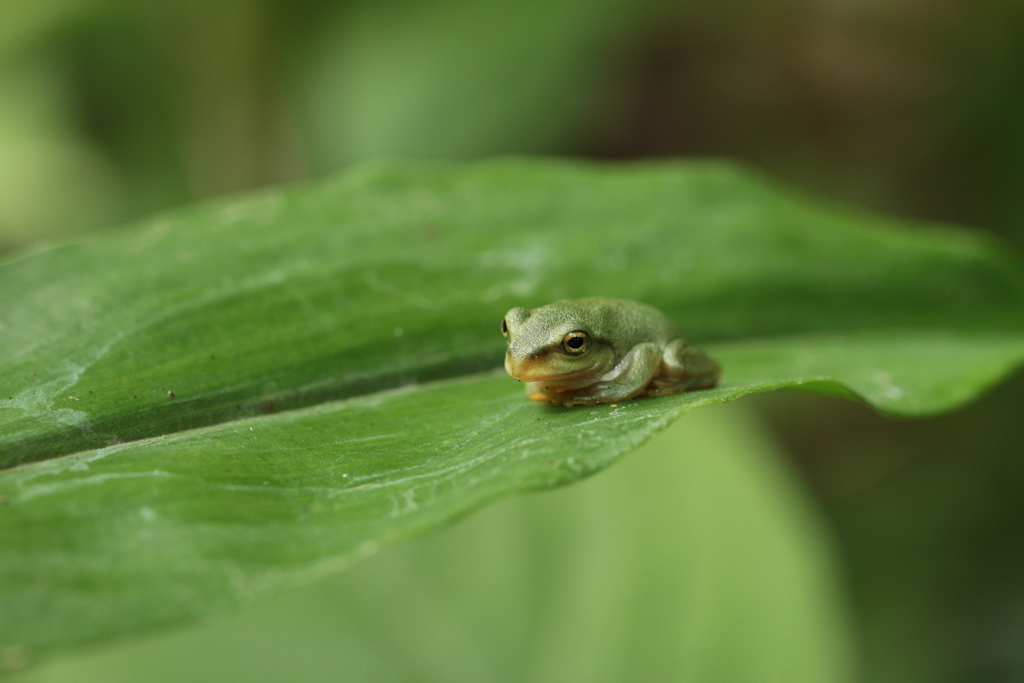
267,407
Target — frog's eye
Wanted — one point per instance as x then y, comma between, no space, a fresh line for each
576,343
504,327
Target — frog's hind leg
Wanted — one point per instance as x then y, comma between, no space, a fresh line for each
684,367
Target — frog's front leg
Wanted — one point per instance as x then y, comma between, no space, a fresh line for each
628,379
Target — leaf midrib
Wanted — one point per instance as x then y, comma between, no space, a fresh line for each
387,384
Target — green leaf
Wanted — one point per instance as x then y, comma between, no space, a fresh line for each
334,309
698,558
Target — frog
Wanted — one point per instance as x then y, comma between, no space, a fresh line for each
601,350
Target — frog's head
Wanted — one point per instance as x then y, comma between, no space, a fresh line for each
556,342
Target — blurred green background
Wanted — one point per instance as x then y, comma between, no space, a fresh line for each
111,110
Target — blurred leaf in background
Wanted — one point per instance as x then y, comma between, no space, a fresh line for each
905,106
930,517
54,180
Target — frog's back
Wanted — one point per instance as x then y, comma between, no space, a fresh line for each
622,322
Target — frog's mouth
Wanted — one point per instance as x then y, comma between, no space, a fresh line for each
533,370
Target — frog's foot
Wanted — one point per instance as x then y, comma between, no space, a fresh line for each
541,391
599,393
538,391
663,386
535,392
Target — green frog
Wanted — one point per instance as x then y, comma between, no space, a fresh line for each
597,350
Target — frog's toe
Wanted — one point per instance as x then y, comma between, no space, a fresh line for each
663,386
